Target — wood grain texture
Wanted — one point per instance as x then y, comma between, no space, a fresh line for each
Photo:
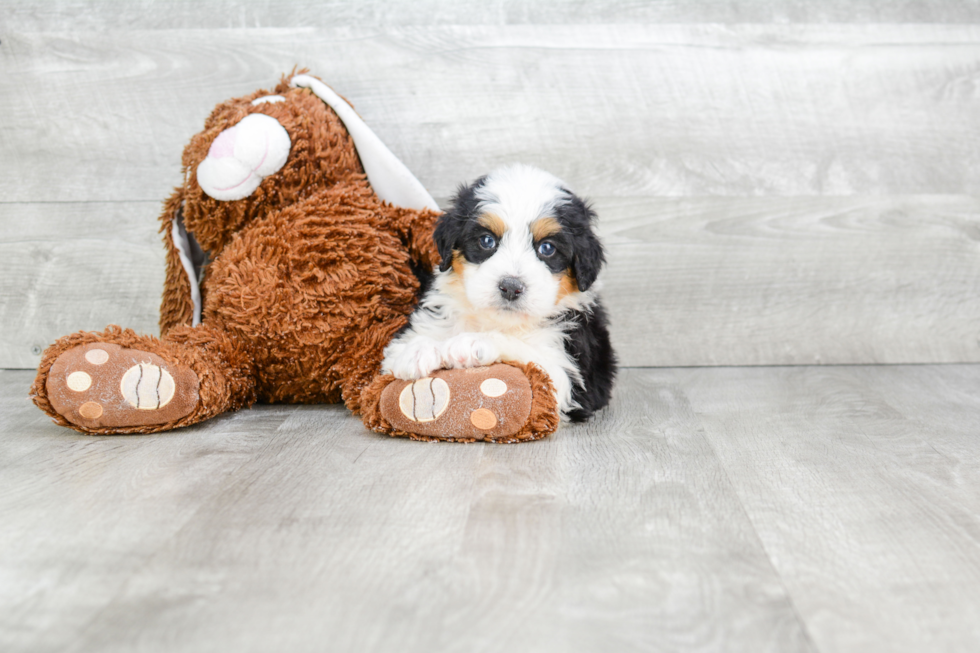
82,15
16,414
793,281
770,194
863,485
615,110
66,267
830,509
116,503
296,529
698,281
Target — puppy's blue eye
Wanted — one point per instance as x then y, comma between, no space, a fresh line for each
546,249
487,241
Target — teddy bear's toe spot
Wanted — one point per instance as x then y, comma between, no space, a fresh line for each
424,400
90,410
483,419
97,356
79,381
147,386
493,387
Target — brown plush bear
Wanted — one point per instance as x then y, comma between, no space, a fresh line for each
295,248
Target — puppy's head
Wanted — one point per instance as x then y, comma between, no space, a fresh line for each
517,241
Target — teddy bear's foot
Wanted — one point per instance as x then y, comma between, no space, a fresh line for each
102,385
498,403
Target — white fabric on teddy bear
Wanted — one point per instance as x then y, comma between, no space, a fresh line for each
391,180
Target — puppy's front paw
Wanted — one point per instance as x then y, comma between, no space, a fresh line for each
415,359
470,350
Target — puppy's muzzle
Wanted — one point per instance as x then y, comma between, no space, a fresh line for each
511,288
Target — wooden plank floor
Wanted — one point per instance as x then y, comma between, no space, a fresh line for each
708,509
775,191
100,15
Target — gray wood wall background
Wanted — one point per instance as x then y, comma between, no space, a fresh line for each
778,182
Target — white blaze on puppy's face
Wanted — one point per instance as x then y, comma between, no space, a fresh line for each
514,204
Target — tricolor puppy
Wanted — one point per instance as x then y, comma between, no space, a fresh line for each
517,283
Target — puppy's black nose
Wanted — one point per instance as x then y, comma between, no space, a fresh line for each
511,288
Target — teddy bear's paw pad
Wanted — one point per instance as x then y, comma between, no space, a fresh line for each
424,400
104,385
477,403
147,387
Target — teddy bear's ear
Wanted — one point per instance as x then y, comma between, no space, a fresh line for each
389,177
185,261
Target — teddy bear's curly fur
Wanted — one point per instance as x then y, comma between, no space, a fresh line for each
309,278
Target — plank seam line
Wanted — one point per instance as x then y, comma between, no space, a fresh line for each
809,365
745,513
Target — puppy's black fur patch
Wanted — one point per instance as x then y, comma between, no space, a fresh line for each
588,344
457,228
577,218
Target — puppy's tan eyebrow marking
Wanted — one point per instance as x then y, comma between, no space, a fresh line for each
493,223
544,227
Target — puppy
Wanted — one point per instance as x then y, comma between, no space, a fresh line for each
517,283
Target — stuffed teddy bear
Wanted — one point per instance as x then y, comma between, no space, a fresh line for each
296,248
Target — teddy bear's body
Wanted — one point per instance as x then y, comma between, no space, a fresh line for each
313,292
308,276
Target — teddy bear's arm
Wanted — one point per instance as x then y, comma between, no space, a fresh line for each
414,228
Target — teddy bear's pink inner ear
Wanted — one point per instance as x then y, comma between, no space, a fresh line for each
242,156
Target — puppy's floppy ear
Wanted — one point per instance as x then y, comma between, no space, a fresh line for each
449,230
578,217
452,224
589,259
